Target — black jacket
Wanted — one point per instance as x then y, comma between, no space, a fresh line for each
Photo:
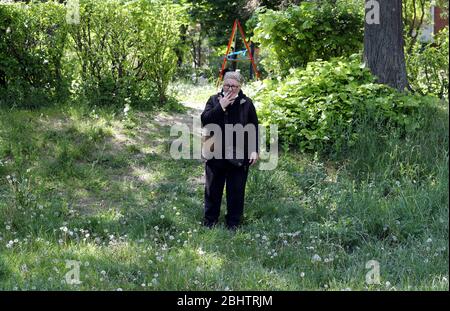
242,111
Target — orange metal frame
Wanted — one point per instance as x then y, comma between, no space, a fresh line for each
236,25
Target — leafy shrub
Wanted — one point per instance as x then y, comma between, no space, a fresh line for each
428,66
304,33
320,107
136,61
32,41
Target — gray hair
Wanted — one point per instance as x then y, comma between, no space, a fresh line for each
234,75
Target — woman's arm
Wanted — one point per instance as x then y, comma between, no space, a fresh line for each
212,113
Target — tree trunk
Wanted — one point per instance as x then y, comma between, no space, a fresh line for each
179,49
384,44
199,51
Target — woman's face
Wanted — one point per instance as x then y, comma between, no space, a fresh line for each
231,85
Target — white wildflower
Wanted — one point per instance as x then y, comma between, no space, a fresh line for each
316,258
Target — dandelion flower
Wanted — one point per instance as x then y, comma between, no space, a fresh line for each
316,258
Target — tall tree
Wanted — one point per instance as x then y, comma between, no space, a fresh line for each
384,42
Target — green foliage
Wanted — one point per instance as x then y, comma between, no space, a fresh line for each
216,17
307,32
119,52
428,64
320,107
135,62
414,14
159,35
32,42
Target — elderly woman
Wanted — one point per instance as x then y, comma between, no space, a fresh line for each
232,107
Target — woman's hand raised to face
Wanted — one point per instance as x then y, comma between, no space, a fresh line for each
227,100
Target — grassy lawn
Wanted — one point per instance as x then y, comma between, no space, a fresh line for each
100,188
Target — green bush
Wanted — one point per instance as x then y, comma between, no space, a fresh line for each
428,66
126,49
120,51
32,42
304,33
321,107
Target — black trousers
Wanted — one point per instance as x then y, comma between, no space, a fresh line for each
218,173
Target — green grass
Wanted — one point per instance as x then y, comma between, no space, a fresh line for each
100,188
